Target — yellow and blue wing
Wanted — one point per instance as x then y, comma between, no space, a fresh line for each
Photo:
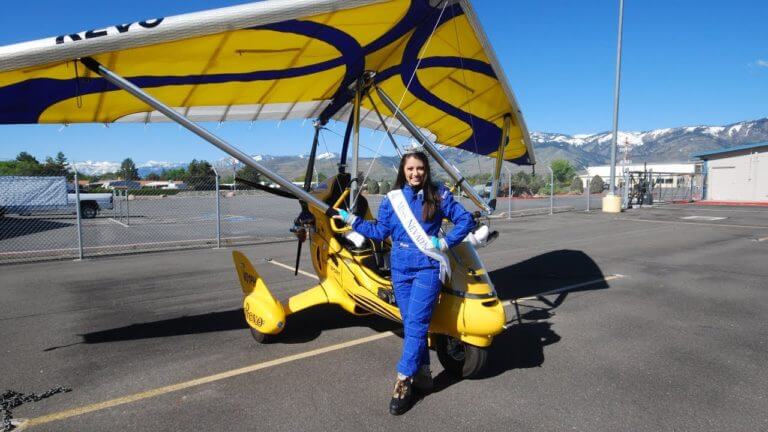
278,60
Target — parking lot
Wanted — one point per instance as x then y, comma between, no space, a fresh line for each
657,322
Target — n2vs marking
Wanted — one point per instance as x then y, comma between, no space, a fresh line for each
121,28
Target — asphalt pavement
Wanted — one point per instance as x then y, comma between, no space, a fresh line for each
657,323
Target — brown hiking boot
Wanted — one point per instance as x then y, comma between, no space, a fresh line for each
401,397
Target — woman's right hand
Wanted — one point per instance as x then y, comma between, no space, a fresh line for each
345,216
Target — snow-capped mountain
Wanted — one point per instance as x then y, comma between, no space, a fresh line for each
97,167
734,132
668,144
321,156
102,167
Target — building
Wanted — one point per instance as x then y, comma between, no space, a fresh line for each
735,174
664,174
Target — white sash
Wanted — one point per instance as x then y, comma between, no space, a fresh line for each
417,234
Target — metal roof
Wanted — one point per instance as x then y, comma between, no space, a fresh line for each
706,155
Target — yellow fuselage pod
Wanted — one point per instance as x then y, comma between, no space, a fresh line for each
469,310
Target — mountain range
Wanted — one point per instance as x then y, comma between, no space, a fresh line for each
659,145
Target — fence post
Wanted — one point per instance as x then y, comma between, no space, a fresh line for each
79,217
127,204
690,195
588,192
218,211
625,192
509,192
551,190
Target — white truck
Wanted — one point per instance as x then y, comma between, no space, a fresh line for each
24,195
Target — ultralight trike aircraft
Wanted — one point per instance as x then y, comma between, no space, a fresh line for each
306,59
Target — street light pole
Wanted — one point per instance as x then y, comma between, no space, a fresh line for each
612,203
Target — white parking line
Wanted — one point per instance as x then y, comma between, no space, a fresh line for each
118,222
693,223
286,266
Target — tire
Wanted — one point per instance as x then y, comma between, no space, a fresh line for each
88,210
459,358
259,337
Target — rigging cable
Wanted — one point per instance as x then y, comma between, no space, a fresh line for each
402,97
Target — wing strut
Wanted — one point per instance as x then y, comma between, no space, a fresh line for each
433,151
203,133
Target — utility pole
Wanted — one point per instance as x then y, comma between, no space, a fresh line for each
611,202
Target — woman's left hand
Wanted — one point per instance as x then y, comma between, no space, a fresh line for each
439,244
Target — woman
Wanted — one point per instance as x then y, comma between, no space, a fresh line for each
415,260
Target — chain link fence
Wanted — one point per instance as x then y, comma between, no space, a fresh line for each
40,219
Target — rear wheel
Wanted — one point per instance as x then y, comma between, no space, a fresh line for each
88,210
459,358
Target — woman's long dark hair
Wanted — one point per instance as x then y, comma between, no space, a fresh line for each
431,197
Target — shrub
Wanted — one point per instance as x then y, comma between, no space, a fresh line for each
577,185
385,187
373,187
597,185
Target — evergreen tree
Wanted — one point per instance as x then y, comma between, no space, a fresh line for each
597,185
26,157
57,167
249,174
128,170
577,185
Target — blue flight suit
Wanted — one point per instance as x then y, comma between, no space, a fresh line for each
415,276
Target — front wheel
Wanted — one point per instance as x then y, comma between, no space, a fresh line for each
459,358
258,336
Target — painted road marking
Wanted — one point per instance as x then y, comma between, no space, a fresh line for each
693,223
762,239
703,218
286,266
118,222
61,415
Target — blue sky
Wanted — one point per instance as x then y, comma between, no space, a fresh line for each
685,62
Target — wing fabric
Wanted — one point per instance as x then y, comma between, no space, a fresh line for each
297,61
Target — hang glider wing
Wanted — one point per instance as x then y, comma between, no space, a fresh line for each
279,59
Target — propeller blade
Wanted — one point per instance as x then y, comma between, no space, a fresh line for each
298,258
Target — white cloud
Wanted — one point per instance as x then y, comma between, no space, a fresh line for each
762,63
